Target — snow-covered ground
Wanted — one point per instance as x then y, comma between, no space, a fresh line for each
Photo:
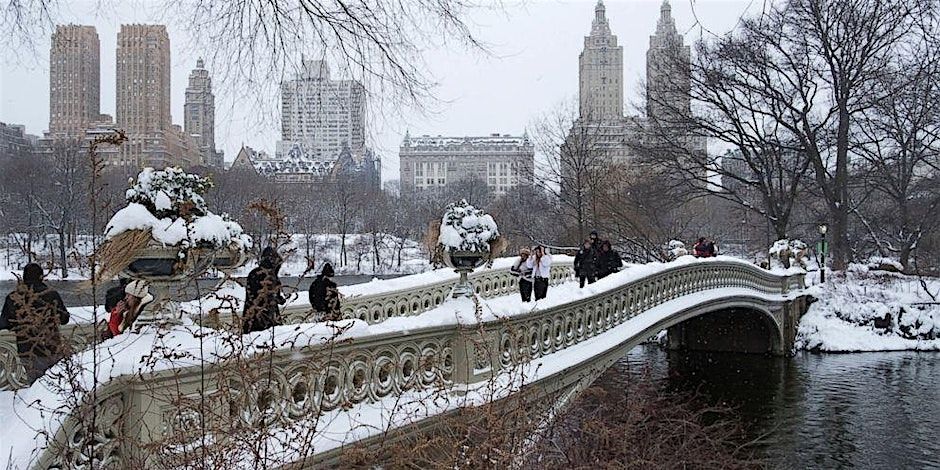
321,248
867,310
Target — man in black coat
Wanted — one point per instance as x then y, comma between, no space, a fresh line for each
263,294
324,295
33,311
585,263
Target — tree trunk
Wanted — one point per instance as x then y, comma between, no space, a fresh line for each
839,240
62,260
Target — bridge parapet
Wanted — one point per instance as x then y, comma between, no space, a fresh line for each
371,308
449,357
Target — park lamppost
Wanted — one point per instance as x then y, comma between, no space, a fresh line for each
823,248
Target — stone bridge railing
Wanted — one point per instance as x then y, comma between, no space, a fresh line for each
295,384
370,307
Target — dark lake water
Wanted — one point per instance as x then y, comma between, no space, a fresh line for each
868,410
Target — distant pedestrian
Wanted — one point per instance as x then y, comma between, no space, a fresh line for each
524,273
34,311
541,265
125,312
711,250
263,294
324,295
115,294
608,260
585,263
700,250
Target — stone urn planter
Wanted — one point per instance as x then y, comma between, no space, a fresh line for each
167,269
464,262
465,239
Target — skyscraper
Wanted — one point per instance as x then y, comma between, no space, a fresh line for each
667,74
74,80
601,71
143,101
143,78
199,114
322,115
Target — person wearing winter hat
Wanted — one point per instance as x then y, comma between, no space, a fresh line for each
263,293
324,295
124,314
34,311
524,273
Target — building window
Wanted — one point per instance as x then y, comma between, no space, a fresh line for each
430,174
499,176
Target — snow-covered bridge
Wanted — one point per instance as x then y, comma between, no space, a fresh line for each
408,354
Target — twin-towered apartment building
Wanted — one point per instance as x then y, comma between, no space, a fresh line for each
143,97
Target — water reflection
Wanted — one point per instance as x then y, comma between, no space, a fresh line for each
872,410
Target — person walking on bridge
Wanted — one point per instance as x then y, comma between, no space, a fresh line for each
34,311
521,270
263,294
541,265
585,263
324,295
608,260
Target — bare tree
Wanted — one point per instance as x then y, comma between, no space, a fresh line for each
811,68
899,140
576,169
764,167
63,196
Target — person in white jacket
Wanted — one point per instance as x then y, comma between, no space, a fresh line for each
541,264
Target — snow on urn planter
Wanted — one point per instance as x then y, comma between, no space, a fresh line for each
468,239
166,235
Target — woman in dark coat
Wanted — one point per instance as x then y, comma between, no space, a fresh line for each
263,294
608,260
324,295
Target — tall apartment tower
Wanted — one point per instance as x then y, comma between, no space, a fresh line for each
143,102
322,115
667,73
199,114
601,71
143,79
74,80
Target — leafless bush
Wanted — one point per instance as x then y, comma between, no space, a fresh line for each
631,423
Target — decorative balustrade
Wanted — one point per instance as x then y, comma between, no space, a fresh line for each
379,307
372,308
296,384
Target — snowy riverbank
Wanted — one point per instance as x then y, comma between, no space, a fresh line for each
867,310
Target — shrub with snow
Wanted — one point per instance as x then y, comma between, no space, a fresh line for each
880,263
169,204
676,249
786,253
466,228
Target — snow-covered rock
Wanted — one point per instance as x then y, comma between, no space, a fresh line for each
862,311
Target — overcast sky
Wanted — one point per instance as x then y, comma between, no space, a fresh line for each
532,69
